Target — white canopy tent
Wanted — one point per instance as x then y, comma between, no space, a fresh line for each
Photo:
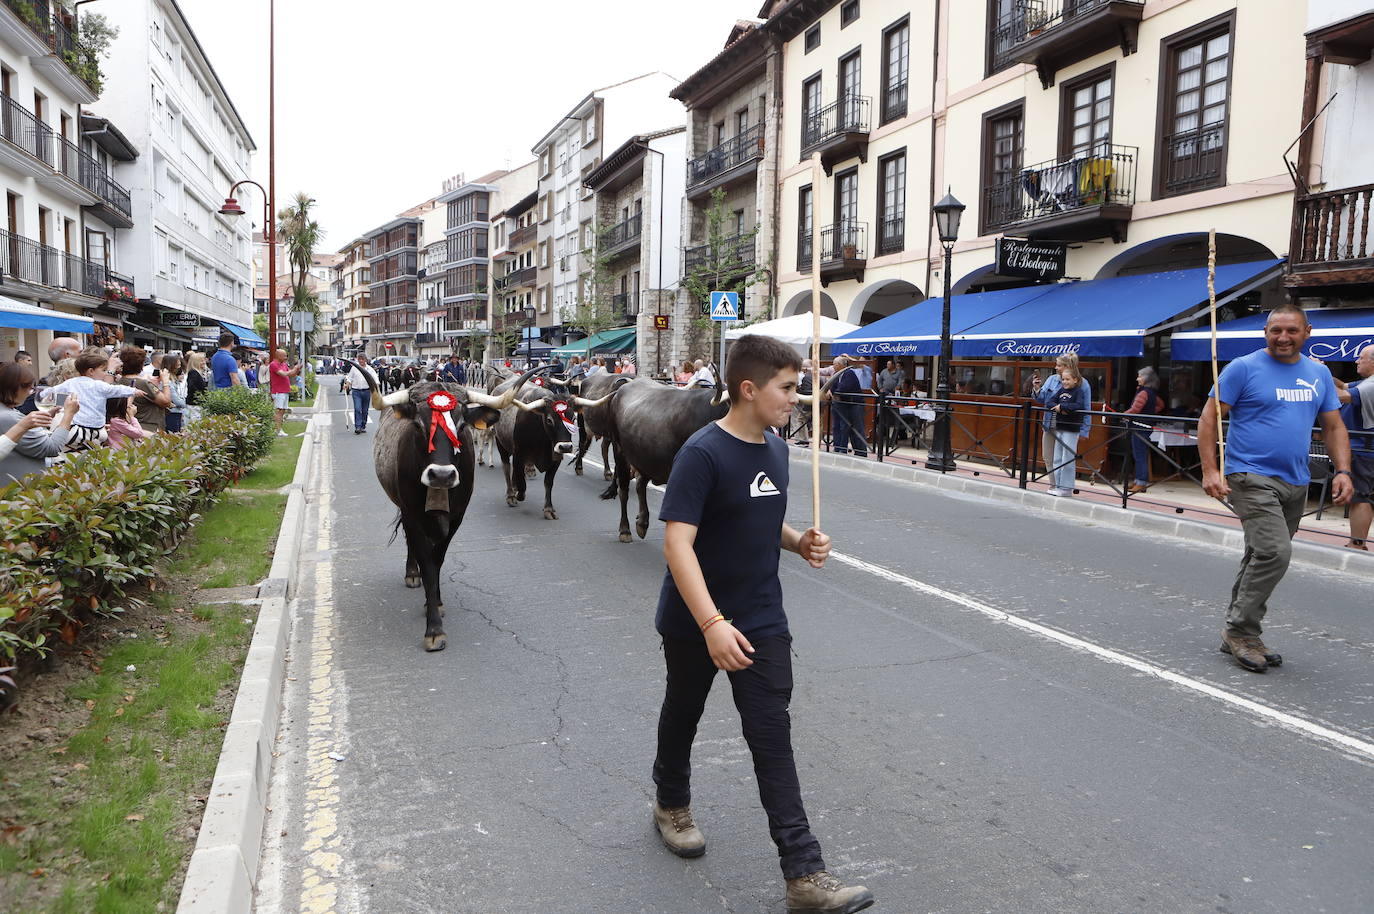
795,330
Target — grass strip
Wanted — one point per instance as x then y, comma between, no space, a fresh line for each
279,468
103,817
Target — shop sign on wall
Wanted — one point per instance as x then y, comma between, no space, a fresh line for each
1042,260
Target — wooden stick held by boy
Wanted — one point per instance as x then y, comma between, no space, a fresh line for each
720,608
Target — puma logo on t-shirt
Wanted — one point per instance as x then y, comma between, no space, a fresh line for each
1306,393
762,486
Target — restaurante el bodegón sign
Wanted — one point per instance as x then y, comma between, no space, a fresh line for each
1042,260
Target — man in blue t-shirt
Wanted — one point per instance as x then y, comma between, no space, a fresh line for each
1273,397
724,507
1358,414
224,368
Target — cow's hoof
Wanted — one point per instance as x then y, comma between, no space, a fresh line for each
641,527
511,500
413,581
577,468
609,493
520,496
626,537
550,514
608,475
436,642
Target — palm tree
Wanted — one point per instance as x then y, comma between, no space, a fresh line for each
300,235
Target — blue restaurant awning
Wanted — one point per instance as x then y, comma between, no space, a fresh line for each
21,316
246,337
1106,317
916,330
1338,335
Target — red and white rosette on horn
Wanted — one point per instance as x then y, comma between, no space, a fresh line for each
561,407
441,405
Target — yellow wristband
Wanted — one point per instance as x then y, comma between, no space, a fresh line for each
712,621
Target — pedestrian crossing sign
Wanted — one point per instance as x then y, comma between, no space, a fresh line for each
724,306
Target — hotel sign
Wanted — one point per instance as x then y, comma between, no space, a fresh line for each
1042,260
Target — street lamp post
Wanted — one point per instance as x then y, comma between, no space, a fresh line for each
231,208
941,456
529,337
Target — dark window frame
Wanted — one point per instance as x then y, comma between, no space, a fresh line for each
804,194
1066,109
986,154
882,246
845,7
811,39
887,115
836,180
855,54
813,79
1168,47
990,51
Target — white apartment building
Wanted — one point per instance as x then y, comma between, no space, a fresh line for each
604,120
63,208
163,92
430,341
511,244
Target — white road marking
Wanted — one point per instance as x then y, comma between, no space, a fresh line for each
1288,721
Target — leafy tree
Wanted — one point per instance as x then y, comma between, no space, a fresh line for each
91,39
300,234
728,267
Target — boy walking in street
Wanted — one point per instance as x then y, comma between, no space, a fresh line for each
720,607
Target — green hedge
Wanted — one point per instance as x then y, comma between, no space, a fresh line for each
240,401
73,539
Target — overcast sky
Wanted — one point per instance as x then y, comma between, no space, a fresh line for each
378,103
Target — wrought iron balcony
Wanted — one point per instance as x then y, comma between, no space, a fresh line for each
894,102
733,159
844,251
892,235
838,131
1192,160
622,237
1330,242
1077,198
732,257
43,265
1052,34
20,127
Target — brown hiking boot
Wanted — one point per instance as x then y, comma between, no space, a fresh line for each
1248,651
679,833
822,893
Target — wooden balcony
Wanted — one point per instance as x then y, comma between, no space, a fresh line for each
1330,241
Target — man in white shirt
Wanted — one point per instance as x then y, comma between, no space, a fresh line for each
703,376
357,383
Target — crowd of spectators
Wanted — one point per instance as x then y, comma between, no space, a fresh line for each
97,397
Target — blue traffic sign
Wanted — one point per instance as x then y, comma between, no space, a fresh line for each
724,306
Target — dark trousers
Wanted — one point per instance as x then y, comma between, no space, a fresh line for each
1140,454
174,422
362,399
846,425
762,693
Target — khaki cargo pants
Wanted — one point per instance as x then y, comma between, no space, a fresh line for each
1270,511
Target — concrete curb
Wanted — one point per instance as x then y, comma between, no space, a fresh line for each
1327,557
224,865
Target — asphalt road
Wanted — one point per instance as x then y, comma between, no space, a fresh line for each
1090,750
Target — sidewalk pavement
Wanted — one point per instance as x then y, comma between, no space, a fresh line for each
1178,508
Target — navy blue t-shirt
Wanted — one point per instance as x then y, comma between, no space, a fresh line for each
735,494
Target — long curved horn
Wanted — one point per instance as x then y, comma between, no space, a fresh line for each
508,396
722,396
588,404
528,407
805,398
396,397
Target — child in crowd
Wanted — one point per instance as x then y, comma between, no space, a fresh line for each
723,508
93,389
121,422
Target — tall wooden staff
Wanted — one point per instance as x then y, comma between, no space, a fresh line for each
815,342
1212,311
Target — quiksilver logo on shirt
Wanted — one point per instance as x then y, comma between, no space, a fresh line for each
1304,394
762,486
